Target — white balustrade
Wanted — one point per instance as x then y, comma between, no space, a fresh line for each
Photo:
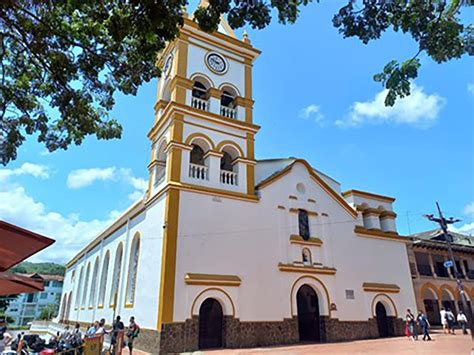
200,104
228,112
197,171
228,177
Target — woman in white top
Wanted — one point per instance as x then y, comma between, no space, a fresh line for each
444,320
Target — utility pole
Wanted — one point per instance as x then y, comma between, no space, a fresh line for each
443,223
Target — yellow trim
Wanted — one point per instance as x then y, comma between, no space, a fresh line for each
248,90
324,214
250,168
311,200
215,37
316,279
369,195
380,287
431,286
296,239
225,143
388,214
291,197
100,306
136,236
195,75
391,301
213,289
307,269
376,233
233,87
214,191
90,307
215,130
212,279
168,259
310,213
281,207
213,92
178,93
213,153
189,139
450,289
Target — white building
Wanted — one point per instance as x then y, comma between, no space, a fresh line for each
28,306
225,250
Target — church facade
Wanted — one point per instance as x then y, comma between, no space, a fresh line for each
228,251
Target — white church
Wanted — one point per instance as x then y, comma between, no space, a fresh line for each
228,251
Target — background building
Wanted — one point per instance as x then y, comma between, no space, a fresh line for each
28,306
434,284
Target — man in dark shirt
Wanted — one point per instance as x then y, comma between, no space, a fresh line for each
117,326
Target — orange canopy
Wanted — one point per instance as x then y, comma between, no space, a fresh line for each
12,284
17,244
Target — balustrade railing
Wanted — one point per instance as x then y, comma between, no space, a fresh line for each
228,112
228,177
200,104
197,171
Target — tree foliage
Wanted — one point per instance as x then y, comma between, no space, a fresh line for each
63,60
27,267
5,302
49,311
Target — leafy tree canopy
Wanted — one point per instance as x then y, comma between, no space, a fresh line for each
62,60
27,267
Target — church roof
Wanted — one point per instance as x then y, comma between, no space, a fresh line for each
268,168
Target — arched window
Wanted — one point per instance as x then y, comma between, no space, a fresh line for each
303,224
197,155
228,103
306,256
94,283
103,278
116,275
226,162
79,288
199,96
132,270
68,306
160,169
86,284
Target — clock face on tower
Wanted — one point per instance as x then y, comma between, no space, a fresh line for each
216,63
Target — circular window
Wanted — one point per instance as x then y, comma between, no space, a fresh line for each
300,188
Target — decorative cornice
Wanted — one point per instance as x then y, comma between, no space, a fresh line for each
380,287
368,195
310,213
297,239
377,233
212,279
307,269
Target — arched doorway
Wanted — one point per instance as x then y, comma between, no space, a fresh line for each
447,300
382,321
308,314
430,301
210,324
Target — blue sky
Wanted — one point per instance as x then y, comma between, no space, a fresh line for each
314,99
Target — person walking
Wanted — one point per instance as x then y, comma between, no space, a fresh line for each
5,338
411,323
424,325
462,320
132,332
444,320
450,319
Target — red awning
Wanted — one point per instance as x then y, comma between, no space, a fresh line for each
12,284
17,244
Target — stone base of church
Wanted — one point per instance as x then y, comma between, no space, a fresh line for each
184,336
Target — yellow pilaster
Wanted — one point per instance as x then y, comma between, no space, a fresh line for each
250,168
248,89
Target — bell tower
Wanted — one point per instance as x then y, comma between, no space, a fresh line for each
203,133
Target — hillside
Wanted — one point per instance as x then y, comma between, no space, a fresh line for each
27,267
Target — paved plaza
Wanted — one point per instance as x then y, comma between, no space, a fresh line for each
441,344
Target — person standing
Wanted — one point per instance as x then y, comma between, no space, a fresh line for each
411,323
450,319
462,320
5,338
444,320
424,325
117,326
132,332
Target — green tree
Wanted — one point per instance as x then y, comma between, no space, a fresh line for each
27,267
49,311
63,60
5,302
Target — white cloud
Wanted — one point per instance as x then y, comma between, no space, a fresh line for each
467,229
312,110
35,170
70,232
419,110
85,177
470,88
469,210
